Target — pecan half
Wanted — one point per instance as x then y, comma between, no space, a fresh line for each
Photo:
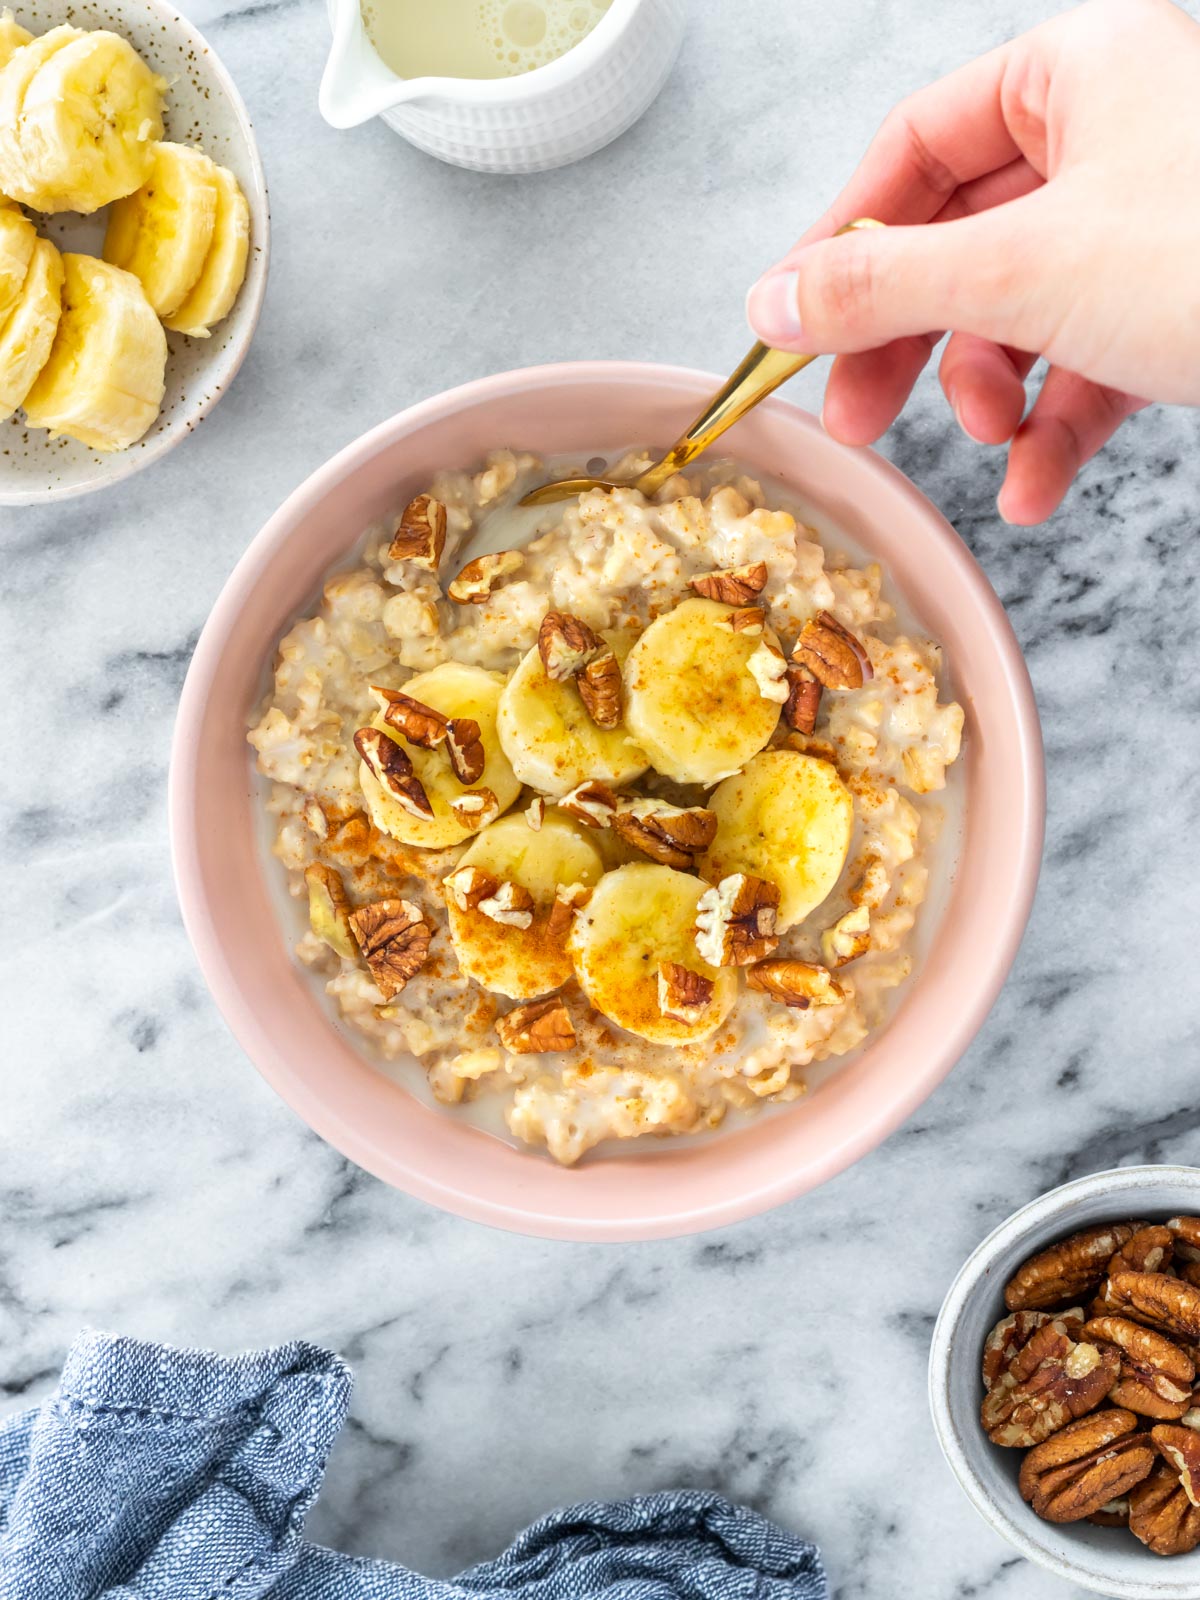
420,534
804,699
1185,1231
481,577
464,746
420,724
832,653
536,1026
566,644
1085,1466
734,586
686,995
1114,1515
796,983
394,939
600,688
1012,1333
475,808
673,835
1050,1381
735,921
392,771
1162,1516
750,620
1067,1270
1162,1302
467,886
1181,1447
509,904
849,938
568,897
1156,1375
593,803
329,909
768,667
1150,1249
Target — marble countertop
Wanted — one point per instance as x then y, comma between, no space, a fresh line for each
151,1183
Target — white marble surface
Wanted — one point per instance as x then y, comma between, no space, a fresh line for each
150,1182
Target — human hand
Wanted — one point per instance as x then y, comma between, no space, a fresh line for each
1064,171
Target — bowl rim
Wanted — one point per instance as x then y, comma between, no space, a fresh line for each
1055,1204
776,1182
135,460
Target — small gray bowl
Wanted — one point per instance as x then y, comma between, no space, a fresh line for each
1108,1560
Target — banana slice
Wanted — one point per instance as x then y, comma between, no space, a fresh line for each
28,335
523,962
12,36
551,740
787,818
86,126
639,919
455,690
691,700
214,292
15,77
103,380
17,235
163,232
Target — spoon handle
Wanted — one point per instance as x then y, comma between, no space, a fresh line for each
759,374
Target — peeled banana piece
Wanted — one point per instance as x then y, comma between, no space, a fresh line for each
456,690
787,818
27,336
523,962
691,700
211,297
12,36
551,740
103,381
17,235
163,232
638,918
80,118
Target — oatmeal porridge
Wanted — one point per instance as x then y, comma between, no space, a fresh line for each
620,827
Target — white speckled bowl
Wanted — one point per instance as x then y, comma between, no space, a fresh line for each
1108,1560
202,107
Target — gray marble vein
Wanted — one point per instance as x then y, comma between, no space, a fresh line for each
150,1182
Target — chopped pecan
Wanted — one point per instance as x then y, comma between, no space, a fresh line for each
420,724
796,983
685,996
673,835
329,909
481,577
803,700
832,654
1156,1375
1085,1466
464,746
768,668
600,687
735,921
1162,1516
475,808
536,1026
593,803
750,620
420,534
1067,1270
566,644
1050,1381
1181,1447
1162,1302
849,938
733,586
510,904
535,813
314,815
568,897
1150,1249
467,886
393,771
394,939
1185,1231
1012,1333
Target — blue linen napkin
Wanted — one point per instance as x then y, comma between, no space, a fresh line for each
162,1474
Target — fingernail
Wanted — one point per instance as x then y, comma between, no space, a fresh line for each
772,308
952,396
1004,516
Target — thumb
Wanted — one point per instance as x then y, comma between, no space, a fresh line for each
990,274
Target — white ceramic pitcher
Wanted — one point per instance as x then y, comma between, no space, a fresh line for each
539,119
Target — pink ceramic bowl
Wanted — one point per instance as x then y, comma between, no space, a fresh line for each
654,1190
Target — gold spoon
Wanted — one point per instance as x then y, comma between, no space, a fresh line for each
759,374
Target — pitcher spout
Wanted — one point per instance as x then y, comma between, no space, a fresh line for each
356,85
